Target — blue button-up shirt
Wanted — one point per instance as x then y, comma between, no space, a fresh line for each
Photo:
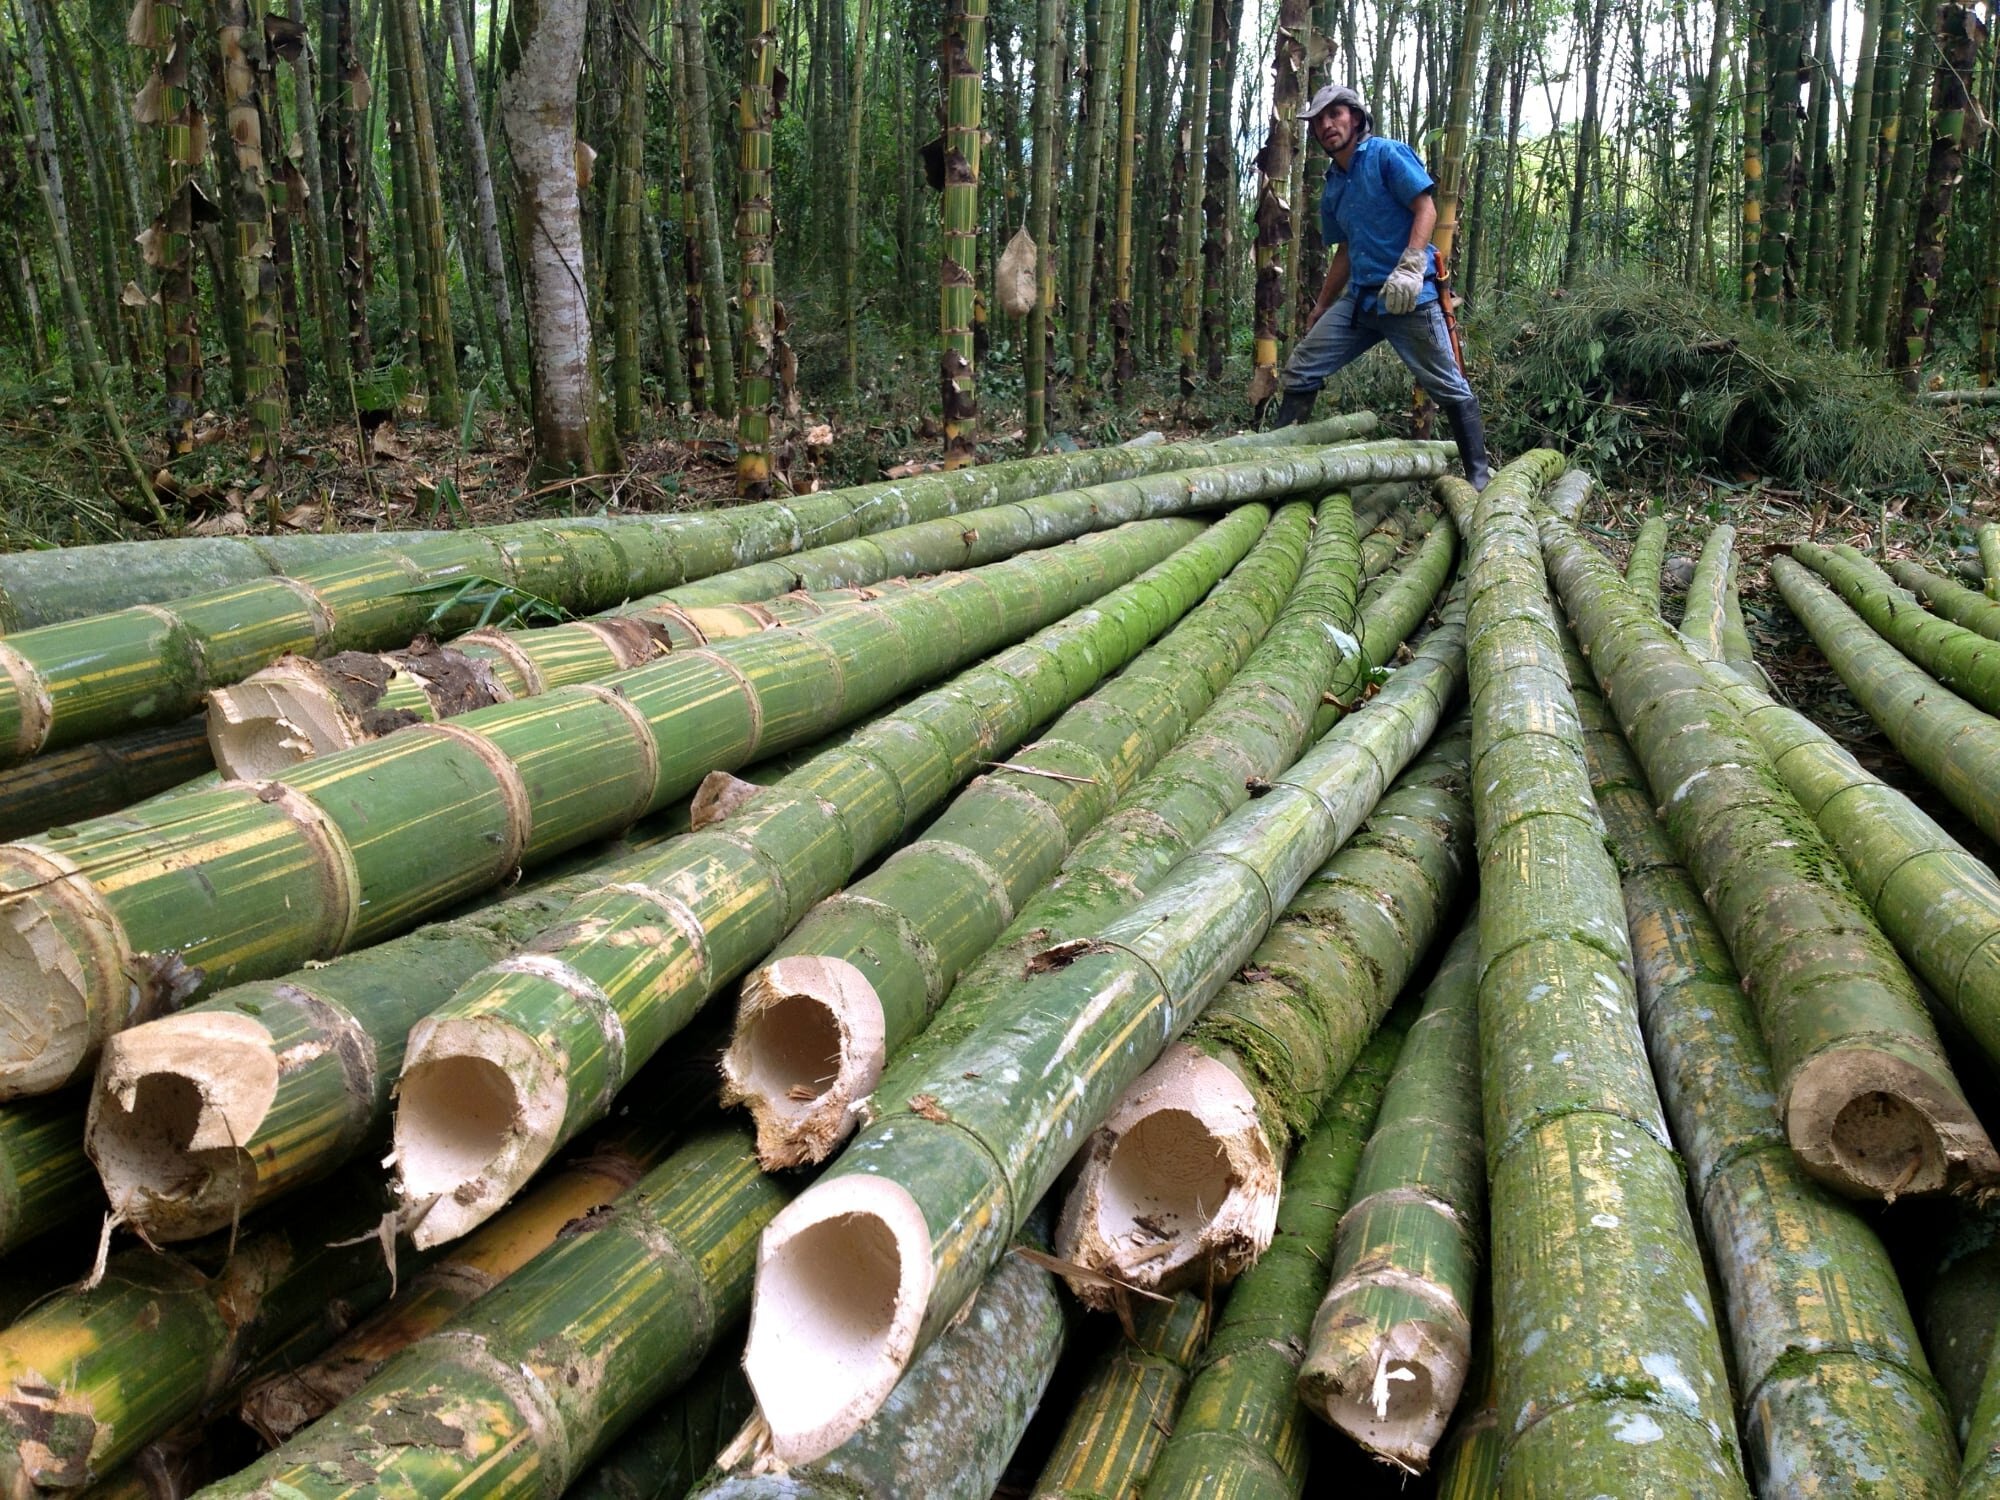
1367,208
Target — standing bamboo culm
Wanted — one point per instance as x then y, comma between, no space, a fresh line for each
756,292
242,47
1121,253
1961,35
698,141
1200,37
850,208
1274,205
1035,351
964,64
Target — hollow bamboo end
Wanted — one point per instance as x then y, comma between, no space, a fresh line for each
1392,1390
809,1048
174,1105
1178,1188
274,719
480,1107
843,1277
62,973
1871,1124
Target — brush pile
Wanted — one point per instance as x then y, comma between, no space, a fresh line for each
709,1030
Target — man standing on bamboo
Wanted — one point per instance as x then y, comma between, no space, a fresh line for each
1381,283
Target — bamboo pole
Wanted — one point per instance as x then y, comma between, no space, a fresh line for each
1704,617
870,964
100,777
936,1185
663,1454
1963,660
1642,567
44,1176
1867,1097
1610,1377
529,1036
1975,609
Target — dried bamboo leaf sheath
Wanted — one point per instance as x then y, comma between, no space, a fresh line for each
517,1395
1242,1432
1864,1090
88,1377
1121,1420
1835,1395
1392,1340
546,1040
862,971
1954,746
947,1432
82,679
1963,660
1610,1375
1256,1068
934,1189
354,847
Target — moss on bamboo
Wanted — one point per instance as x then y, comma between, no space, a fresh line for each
1391,1342
939,1182
1834,1391
1610,1378
1704,618
873,961
1971,608
1649,553
1866,1095
1963,660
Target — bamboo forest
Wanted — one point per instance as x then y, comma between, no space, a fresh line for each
1000,749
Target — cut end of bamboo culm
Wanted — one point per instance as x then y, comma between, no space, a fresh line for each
479,1108
1391,1390
62,969
1874,1126
808,1050
276,719
1178,1188
843,1278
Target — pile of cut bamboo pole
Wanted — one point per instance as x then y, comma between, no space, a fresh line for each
1256,935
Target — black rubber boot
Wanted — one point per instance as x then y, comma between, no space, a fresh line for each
1470,434
1297,407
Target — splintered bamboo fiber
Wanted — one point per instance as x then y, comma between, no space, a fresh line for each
1610,1376
1951,744
100,777
1392,1340
947,1432
200,1117
44,1175
1121,1419
1866,1094
1963,660
1648,556
877,958
1832,1383
1263,1057
66,683
550,1038
1045,1062
88,1377
126,916
517,1395
1974,610
1241,1432
609,1162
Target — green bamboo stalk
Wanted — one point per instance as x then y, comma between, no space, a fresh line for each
1951,744
1470,1466
549,1039
524,1389
1610,1375
607,1163
1050,77
1936,902
1963,660
1256,1068
1972,608
1704,617
44,1175
82,679
938,1183
1833,1387
872,963
1989,555
1242,1430
948,1431
1738,653
1649,551
1867,1097
667,1450
357,846
757,294
1392,1340
89,1376
1120,311
964,63
100,777
1121,1419
193,1121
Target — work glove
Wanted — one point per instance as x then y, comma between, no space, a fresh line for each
1405,284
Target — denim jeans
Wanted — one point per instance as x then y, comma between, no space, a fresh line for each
1343,334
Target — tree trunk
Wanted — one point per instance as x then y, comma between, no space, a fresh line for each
756,292
542,53
350,96
1489,133
1960,34
1784,43
964,61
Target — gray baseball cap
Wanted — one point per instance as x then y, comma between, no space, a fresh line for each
1338,93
